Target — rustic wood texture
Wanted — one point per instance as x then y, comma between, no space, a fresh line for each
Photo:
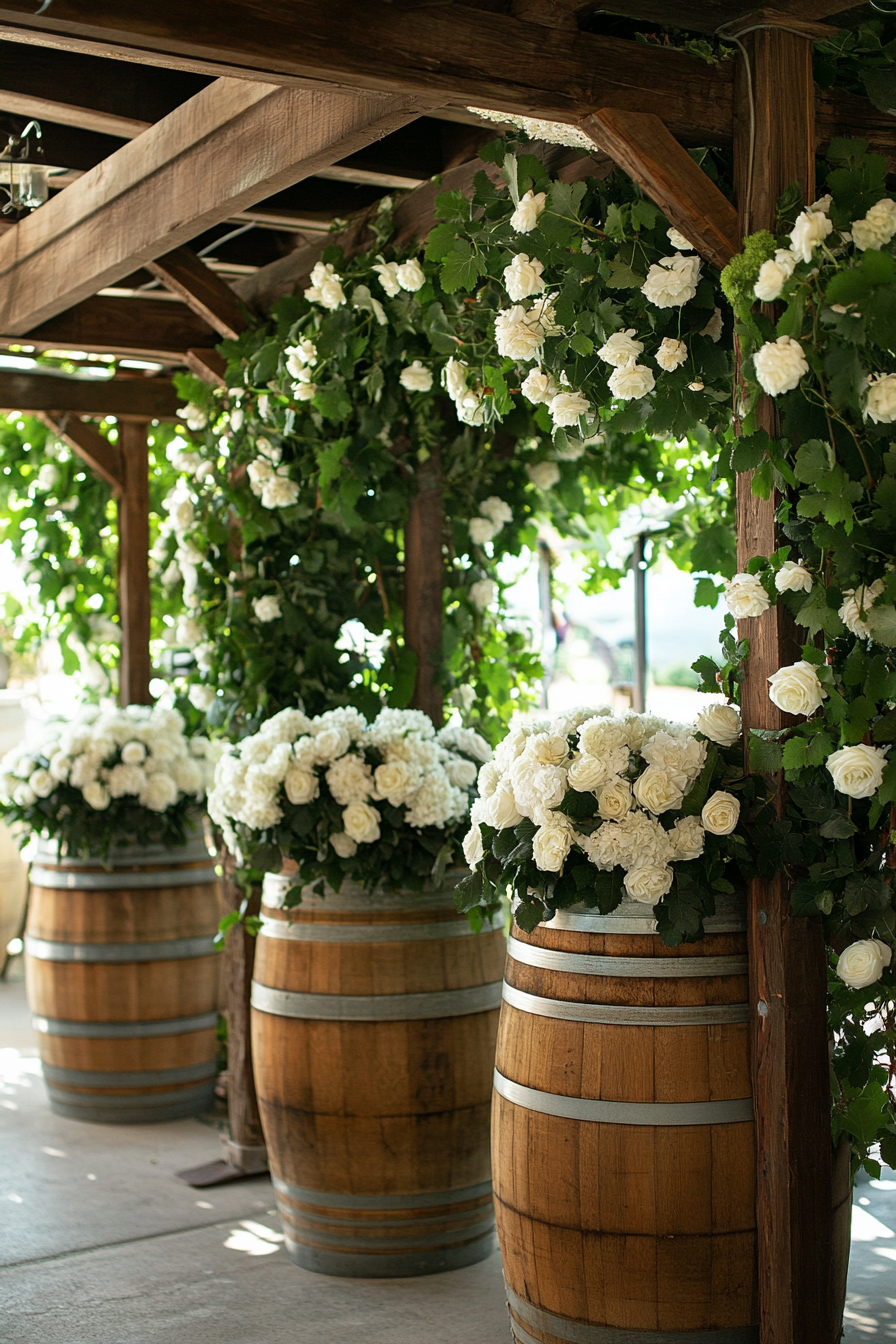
149,328
644,148
123,992
483,58
134,600
204,292
626,1226
146,398
222,151
239,961
376,1108
208,365
423,580
799,1290
100,455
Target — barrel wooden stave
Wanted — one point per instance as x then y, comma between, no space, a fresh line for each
377,1130
109,1054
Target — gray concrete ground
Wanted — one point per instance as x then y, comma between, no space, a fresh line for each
101,1244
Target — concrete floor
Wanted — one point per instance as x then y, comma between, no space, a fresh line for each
101,1244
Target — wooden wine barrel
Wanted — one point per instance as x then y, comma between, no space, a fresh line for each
373,1037
622,1133
122,980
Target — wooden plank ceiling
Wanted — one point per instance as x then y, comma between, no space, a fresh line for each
143,106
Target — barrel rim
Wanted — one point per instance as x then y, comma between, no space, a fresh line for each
352,897
583,1332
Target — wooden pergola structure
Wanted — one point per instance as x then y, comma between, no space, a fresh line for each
179,123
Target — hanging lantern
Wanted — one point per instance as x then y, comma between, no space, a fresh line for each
24,175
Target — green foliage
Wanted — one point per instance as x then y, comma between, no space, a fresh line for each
739,276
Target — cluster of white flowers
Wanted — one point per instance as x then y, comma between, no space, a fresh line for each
494,512
416,377
180,519
877,228
672,281
594,752
268,480
399,759
394,276
300,361
472,407
137,752
326,286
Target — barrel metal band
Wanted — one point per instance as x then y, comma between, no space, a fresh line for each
123,1031
579,1332
62,879
633,917
407,1238
624,968
376,1007
174,949
701,1014
363,933
300,1217
153,1100
188,1073
735,1111
427,1199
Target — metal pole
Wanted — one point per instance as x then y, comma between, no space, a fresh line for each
639,671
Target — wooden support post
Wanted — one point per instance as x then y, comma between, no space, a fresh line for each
133,564
423,584
245,1148
797,1286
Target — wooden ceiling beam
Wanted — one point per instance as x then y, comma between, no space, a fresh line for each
89,444
208,365
449,54
644,148
204,292
232,145
144,328
145,398
708,16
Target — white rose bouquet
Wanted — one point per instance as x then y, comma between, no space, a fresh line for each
594,808
109,776
386,802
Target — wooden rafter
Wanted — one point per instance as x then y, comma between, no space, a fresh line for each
147,328
207,365
204,292
87,443
227,148
145,398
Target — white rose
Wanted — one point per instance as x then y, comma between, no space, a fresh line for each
160,792
472,846
501,810
714,327
123,779
471,409
60,764
528,212
720,723
497,509
793,578
548,748
395,781
687,838
523,278
678,240
539,388
297,356
862,963
454,378
587,774
482,530
810,229
880,401
745,596
543,475
780,364
551,843
279,492
416,377
489,779
302,786
631,381
331,294
267,608
648,883
773,275
877,228
362,823
344,845
621,348
483,593
671,354
720,813
518,333
23,795
96,795
567,407
796,689
330,742
614,800
42,783
304,391
388,275
201,698
410,275
857,607
672,282
462,773
857,771
656,792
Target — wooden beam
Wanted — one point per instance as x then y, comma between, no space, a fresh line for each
229,147
204,292
146,398
450,54
788,984
423,580
208,365
707,16
134,601
645,149
147,327
99,454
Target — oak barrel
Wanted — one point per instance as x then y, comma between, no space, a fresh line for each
122,980
622,1133
374,1018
